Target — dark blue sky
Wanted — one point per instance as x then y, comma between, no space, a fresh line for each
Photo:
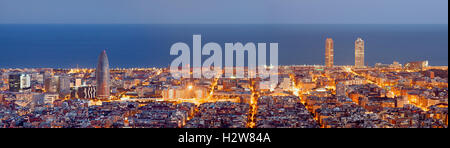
224,11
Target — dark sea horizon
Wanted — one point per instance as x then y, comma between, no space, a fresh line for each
69,46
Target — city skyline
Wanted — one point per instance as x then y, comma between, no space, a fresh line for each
325,96
370,95
202,64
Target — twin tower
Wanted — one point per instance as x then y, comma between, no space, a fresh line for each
359,53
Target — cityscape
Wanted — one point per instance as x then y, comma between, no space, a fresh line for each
385,95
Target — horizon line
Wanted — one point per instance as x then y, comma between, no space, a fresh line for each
223,23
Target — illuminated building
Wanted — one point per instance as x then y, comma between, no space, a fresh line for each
340,89
103,77
64,85
418,65
78,82
51,84
25,81
46,75
359,53
86,92
396,64
49,98
19,82
329,52
285,83
14,83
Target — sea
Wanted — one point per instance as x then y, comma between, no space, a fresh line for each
148,45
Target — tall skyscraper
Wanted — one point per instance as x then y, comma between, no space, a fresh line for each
64,85
359,53
14,82
329,52
103,77
51,84
19,82
25,81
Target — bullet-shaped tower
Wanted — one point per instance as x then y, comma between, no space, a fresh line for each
102,75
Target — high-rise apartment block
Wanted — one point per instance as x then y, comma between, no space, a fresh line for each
359,53
329,52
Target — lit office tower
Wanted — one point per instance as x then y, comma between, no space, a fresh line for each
64,85
14,82
359,53
51,84
19,82
329,52
102,76
25,81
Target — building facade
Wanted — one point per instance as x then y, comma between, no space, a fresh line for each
359,53
102,75
19,82
329,53
14,83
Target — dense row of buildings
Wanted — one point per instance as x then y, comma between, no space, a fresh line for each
413,95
